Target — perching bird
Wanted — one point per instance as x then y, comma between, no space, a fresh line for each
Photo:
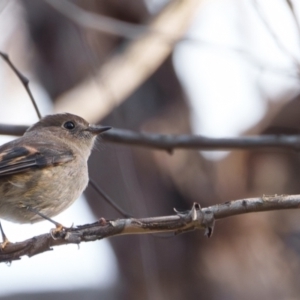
43,172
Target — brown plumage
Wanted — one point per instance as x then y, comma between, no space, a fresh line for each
46,169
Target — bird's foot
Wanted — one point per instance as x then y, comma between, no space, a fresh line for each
56,232
5,240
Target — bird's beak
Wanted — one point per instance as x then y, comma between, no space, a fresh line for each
97,129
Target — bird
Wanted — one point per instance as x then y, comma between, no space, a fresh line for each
43,172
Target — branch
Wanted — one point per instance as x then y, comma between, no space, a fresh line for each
170,142
139,60
97,22
24,80
17,130
244,54
196,218
187,141
292,9
132,31
278,42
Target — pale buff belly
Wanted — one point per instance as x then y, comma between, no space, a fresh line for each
48,191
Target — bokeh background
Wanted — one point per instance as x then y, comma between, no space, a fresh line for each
233,70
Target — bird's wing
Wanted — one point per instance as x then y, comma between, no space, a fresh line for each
16,159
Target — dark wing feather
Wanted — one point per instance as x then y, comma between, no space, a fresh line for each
16,159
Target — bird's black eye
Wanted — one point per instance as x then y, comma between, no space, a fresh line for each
69,125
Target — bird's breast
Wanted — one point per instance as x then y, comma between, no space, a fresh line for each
49,191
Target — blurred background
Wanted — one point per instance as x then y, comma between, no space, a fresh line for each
218,68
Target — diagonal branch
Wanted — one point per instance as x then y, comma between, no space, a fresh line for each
196,218
120,76
24,80
295,17
278,42
127,30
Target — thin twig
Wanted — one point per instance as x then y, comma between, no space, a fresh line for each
278,42
196,218
136,62
91,20
244,54
108,199
24,81
97,22
132,31
295,17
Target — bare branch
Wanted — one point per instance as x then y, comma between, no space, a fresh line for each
249,205
292,8
136,63
184,141
24,81
17,130
133,64
132,31
196,218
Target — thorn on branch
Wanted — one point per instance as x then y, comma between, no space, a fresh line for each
198,218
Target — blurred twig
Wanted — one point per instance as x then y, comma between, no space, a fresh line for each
279,43
170,142
3,5
122,74
132,31
246,55
186,141
196,218
17,130
98,22
292,8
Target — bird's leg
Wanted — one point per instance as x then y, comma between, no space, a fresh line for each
43,216
5,240
59,227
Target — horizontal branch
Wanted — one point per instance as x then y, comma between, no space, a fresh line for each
18,130
187,141
249,205
196,218
170,142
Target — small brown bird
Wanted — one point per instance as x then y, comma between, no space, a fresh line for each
45,171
